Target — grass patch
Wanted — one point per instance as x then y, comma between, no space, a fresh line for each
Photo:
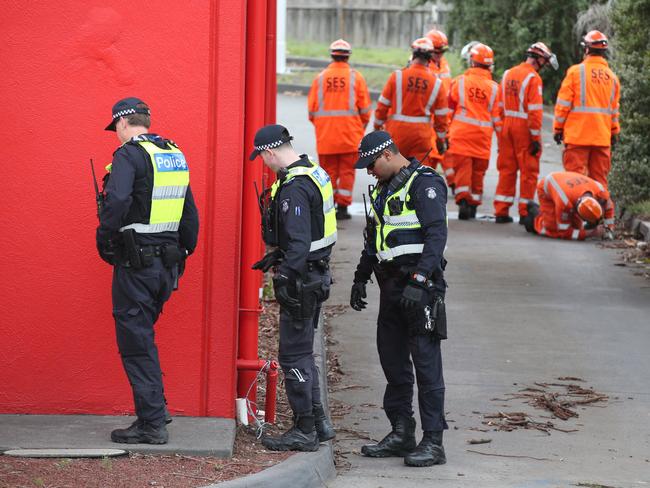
391,56
640,209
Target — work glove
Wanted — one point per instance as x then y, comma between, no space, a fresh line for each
357,294
534,148
558,137
614,140
281,289
269,260
106,252
441,146
608,234
413,295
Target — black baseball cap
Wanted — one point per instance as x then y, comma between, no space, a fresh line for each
371,145
127,106
268,137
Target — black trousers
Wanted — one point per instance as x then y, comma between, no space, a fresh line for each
296,351
138,299
399,352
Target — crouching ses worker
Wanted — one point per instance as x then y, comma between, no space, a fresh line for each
406,234
148,225
299,223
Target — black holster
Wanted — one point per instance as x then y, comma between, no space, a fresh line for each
132,250
308,295
429,319
171,255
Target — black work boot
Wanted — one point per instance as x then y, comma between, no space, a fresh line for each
141,432
399,442
342,213
464,210
428,452
301,437
324,427
503,219
472,211
529,220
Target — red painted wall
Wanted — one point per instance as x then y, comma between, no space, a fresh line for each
64,69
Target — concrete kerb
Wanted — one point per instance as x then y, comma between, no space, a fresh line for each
640,228
305,469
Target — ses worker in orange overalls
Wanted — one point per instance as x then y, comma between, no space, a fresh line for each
440,67
412,105
339,107
520,146
586,111
473,100
572,206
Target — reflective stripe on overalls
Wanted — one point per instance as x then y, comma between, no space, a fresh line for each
352,97
413,119
322,180
171,176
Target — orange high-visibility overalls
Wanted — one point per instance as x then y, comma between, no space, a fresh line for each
473,99
444,73
411,100
522,110
339,107
558,194
587,111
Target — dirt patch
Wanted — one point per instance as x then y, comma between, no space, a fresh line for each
174,471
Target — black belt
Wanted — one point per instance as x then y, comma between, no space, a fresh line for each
318,265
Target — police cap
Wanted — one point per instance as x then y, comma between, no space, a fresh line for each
127,106
371,145
268,137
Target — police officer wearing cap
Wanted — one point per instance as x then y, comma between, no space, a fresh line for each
406,233
148,226
299,225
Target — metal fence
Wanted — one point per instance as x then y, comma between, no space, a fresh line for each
370,23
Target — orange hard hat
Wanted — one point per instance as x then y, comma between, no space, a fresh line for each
595,40
340,47
481,54
589,209
539,49
422,44
439,40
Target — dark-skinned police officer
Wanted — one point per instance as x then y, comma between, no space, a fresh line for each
148,225
406,234
299,224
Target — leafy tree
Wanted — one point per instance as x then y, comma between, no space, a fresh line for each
510,26
630,176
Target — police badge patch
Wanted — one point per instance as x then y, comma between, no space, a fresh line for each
431,192
284,205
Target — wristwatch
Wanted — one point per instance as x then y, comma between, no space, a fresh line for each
420,278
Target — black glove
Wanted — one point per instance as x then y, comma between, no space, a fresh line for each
441,146
357,294
281,289
534,148
614,140
413,295
269,260
558,137
106,252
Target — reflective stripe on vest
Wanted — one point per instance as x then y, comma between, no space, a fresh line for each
462,116
551,180
413,119
407,220
322,181
321,112
171,176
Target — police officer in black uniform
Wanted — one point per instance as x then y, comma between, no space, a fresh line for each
148,226
406,234
299,224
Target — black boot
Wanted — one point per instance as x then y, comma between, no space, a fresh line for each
464,210
529,220
472,211
503,219
324,427
301,437
141,432
428,452
399,442
342,213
